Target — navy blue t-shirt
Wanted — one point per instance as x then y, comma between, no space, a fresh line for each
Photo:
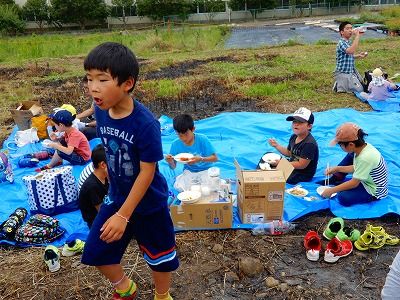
128,141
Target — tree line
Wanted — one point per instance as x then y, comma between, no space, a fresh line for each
84,12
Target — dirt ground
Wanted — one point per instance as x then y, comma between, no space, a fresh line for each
212,262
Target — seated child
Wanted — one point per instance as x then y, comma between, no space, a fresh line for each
95,187
73,146
370,174
190,142
379,88
302,149
88,124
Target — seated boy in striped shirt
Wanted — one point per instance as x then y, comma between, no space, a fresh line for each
370,173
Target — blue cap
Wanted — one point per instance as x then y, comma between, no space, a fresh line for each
62,116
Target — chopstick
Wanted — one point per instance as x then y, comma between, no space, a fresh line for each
327,175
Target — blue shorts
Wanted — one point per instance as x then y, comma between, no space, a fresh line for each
154,234
73,158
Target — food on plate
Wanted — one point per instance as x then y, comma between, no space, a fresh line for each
184,158
297,191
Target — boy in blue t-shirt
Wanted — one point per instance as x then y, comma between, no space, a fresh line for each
189,142
136,206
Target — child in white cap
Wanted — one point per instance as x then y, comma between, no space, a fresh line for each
302,149
379,88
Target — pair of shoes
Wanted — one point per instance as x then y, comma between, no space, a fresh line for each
335,249
73,247
336,228
52,258
375,237
128,295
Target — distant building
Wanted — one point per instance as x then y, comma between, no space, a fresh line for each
22,2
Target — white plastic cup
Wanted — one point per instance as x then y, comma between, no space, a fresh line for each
205,190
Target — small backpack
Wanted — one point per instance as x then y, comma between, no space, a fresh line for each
39,229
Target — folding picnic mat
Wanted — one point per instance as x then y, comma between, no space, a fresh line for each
390,105
244,136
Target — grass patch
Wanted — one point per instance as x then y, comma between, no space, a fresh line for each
165,88
264,89
144,43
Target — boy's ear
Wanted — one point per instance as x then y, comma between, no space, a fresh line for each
128,84
194,127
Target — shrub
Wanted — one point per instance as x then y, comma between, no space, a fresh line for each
10,23
391,12
393,24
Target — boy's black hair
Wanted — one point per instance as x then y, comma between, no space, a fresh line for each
183,123
114,58
98,155
359,142
343,25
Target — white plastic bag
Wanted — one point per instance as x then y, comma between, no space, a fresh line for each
24,137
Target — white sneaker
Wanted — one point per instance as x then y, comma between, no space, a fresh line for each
52,258
73,247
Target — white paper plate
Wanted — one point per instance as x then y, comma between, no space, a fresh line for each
185,156
297,191
46,142
322,188
271,157
188,197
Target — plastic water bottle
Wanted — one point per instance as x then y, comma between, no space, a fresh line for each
275,227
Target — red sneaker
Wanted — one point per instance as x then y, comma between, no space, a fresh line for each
337,249
312,243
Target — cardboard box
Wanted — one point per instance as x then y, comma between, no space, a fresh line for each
261,193
24,112
207,213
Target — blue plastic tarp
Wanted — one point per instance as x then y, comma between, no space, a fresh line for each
243,136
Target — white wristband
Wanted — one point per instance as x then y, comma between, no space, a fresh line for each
122,217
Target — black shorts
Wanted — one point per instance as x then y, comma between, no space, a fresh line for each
154,234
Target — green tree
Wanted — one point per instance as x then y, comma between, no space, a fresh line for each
79,11
7,2
251,4
157,9
123,4
36,10
10,22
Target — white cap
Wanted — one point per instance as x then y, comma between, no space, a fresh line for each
303,115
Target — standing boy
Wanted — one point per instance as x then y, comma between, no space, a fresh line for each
136,206
302,149
72,146
189,142
347,78
95,187
370,174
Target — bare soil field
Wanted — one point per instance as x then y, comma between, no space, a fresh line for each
225,264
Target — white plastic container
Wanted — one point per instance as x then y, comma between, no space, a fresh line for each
214,179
